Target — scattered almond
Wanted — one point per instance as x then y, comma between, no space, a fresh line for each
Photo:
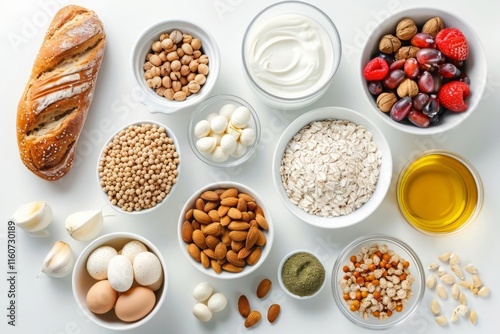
273,312
243,306
252,319
264,287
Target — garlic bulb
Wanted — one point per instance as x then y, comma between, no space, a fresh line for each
84,225
34,218
59,261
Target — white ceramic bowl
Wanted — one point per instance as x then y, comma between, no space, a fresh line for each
269,234
384,178
417,287
82,281
213,105
475,67
280,276
159,104
297,98
170,134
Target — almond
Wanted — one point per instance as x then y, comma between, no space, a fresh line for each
273,312
210,195
252,319
244,252
252,237
213,229
229,267
241,205
187,232
245,216
225,220
254,257
214,215
246,197
194,251
251,205
243,306
261,241
229,201
216,266
226,240
238,225
210,253
234,213
210,206
222,210
205,260
232,257
189,215
237,245
261,220
258,210
231,192
199,239
199,204
238,235
264,287
220,251
211,242
201,216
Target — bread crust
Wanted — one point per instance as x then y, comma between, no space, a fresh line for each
54,106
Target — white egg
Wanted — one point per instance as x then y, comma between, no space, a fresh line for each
202,291
227,110
211,116
158,284
206,144
218,155
202,312
132,248
217,302
240,150
120,273
218,124
228,144
240,117
247,136
147,268
202,128
97,263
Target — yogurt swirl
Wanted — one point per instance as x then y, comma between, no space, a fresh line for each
290,55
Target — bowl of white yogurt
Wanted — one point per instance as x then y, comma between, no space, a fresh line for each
291,51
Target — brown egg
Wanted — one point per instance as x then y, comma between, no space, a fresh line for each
101,297
135,303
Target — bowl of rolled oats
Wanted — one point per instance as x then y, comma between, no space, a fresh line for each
332,167
138,167
378,281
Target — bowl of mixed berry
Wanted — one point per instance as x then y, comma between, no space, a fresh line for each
423,70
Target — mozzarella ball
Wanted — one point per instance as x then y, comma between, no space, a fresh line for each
228,144
247,136
241,117
218,155
218,124
206,144
202,128
227,110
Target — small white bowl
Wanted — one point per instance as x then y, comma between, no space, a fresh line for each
475,67
213,105
177,147
82,281
159,104
280,276
384,179
269,233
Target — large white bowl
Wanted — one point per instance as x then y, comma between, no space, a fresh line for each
475,67
159,104
82,281
384,179
269,233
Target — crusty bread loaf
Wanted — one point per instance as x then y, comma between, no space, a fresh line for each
54,105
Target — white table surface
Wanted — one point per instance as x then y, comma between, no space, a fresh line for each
46,305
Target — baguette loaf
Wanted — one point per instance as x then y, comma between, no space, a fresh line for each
54,105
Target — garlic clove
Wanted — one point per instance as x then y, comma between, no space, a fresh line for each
34,218
59,261
84,225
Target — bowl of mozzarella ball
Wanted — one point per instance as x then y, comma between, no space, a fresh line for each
224,131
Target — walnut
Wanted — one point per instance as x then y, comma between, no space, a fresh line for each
389,44
385,101
406,29
407,88
406,52
433,26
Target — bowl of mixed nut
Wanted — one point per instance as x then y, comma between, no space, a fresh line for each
332,167
423,70
225,230
138,167
175,65
378,281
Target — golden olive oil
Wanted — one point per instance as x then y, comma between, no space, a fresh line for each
437,193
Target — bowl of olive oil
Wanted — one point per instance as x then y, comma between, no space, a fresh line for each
439,192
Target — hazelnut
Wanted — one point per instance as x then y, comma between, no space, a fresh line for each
385,101
433,26
176,36
389,44
407,88
180,96
406,52
406,29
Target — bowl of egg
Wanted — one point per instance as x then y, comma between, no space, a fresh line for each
120,281
224,131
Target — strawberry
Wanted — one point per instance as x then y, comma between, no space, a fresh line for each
452,94
376,69
452,43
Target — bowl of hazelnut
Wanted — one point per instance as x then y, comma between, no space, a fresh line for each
423,70
175,65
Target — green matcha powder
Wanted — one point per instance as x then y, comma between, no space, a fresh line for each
303,274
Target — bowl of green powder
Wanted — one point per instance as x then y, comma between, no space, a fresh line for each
301,274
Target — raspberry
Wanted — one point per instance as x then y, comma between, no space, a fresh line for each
376,69
452,94
453,44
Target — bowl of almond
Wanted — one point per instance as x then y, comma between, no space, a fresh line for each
225,230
